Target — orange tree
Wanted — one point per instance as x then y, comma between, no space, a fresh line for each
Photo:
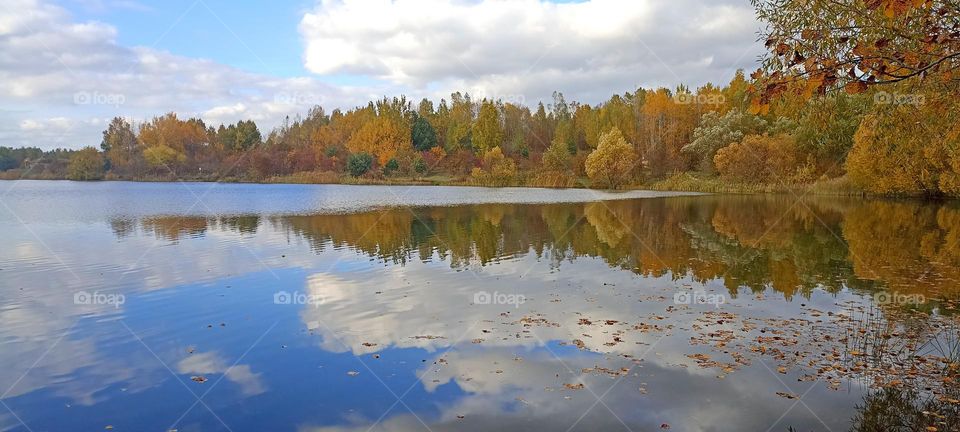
854,44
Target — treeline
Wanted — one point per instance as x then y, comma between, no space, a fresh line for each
631,139
51,164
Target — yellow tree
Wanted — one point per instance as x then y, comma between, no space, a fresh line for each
169,141
86,164
488,129
383,137
909,146
612,163
498,170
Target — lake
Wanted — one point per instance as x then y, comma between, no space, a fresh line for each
206,307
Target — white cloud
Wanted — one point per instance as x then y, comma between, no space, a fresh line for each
212,363
56,74
588,50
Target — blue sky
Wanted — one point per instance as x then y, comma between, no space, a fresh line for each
260,37
68,66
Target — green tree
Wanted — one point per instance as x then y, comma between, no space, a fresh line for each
85,164
391,167
420,166
611,164
7,161
121,148
423,136
359,163
826,127
247,136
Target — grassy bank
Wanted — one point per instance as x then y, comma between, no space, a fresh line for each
687,182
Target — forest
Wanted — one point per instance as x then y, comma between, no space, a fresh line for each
869,107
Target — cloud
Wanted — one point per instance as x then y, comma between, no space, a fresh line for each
588,49
60,73
53,67
212,363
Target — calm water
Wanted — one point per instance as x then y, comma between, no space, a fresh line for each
203,307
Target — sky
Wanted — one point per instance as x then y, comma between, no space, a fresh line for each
68,66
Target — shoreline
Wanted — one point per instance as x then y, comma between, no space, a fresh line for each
682,184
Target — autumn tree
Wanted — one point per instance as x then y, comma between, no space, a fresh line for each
121,147
488,128
85,164
854,44
758,159
516,123
612,163
555,170
920,156
586,121
382,137
717,131
540,130
170,143
557,156
497,170
459,122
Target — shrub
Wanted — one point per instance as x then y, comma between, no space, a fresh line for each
420,166
359,163
391,167
497,170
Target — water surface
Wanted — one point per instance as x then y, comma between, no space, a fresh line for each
196,307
